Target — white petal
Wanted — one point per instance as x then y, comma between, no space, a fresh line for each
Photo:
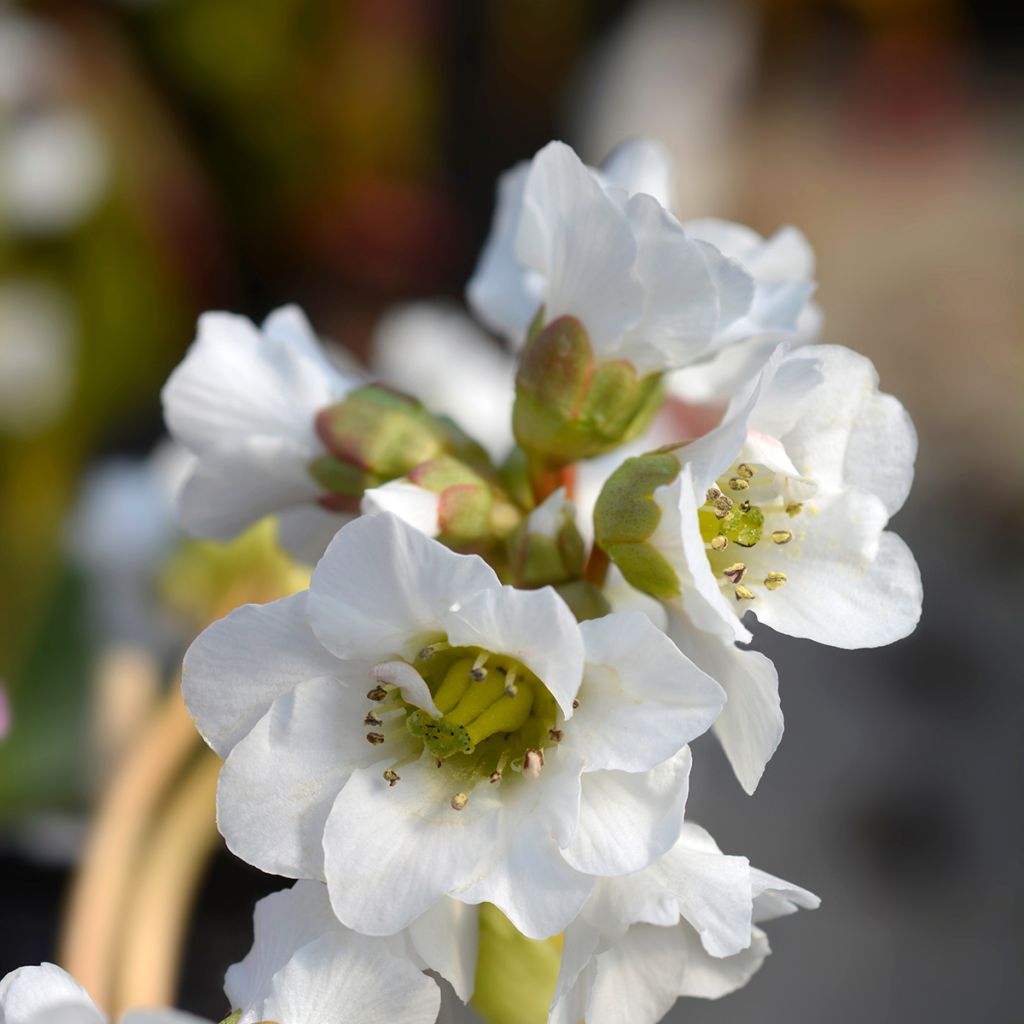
236,384
629,819
163,1015
580,943
751,724
502,292
405,842
382,587
279,783
774,897
337,980
446,937
641,700
291,325
849,584
709,977
238,666
531,883
230,488
283,922
572,232
533,626
412,504
31,993
410,683
641,165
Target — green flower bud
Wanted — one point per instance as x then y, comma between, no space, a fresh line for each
571,407
625,517
546,547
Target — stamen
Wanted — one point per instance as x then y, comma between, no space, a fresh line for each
723,506
713,494
495,777
737,483
556,735
744,506
378,693
774,580
533,762
575,704
742,594
745,470
375,738
478,672
719,543
391,777
735,572
459,801
426,653
371,719
782,536
794,508
510,684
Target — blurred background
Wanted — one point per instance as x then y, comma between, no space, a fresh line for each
163,157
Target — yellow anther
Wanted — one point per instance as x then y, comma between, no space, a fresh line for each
774,580
391,777
794,508
713,494
459,801
719,543
375,738
742,594
735,572
378,693
737,483
782,536
745,470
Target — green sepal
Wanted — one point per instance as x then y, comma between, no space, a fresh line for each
515,976
584,599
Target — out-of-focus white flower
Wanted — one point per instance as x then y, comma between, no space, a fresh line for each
504,753
54,168
435,352
583,243
5,712
686,926
304,968
38,349
244,401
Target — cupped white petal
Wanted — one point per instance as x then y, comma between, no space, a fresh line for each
775,897
412,504
709,977
446,938
240,665
31,995
391,852
641,700
337,979
232,486
382,588
283,922
849,584
751,724
574,234
533,626
410,683
629,819
279,783
641,165
503,293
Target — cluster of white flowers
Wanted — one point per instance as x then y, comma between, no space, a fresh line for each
488,692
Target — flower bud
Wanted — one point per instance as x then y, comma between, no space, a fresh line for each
626,517
569,406
546,547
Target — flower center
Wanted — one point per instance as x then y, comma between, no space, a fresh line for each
736,514
496,715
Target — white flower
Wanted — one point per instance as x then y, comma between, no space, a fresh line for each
582,243
686,926
244,401
304,968
434,351
504,753
5,712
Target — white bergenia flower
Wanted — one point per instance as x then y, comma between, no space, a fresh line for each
244,401
504,753
579,242
686,926
304,968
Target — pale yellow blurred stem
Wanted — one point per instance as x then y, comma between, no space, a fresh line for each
160,902
98,898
